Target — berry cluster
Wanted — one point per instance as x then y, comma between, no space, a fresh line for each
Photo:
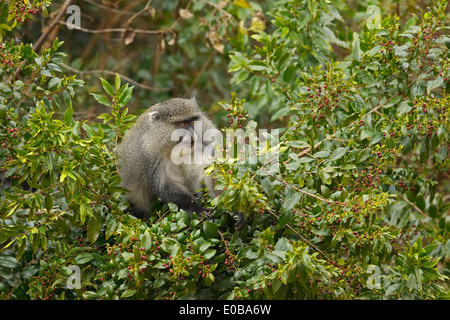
23,11
325,91
229,261
41,284
236,113
425,117
368,180
10,134
427,33
6,58
402,184
237,117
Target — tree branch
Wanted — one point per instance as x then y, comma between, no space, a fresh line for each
108,30
53,23
113,73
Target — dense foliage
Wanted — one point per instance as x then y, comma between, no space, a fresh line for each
355,207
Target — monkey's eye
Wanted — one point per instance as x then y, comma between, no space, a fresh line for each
182,124
192,123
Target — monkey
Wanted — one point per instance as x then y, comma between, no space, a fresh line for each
165,153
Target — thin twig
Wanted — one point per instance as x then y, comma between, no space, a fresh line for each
83,72
304,192
228,15
308,150
38,43
139,13
53,23
109,30
414,206
317,145
112,9
308,242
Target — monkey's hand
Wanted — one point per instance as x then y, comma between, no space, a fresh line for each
206,213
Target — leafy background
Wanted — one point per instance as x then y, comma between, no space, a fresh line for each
358,207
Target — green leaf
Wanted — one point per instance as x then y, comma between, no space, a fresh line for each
403,108
209,254
12,210
268,187
48,202
306,262
204,246
101,99
420,202
9,262
433,84
351,118
322,154
283,59
111,226
146,240
325,177
447,249
365,133
425,150
363,155
21,245
344,195
53,82
29,271
94,227
84,210
67,98
117,82
325,191
338,153
289,73
125,96
284,218
356,50
281,292
376,138
391,290
210,229
276,285
291,201
257,66
89,131
128,293
348,166
90,295
83,258
280,113
312,7
68,115
107,87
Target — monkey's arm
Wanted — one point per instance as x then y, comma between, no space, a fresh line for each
170,190
180,196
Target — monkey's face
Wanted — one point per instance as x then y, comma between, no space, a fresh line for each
177,127
188,138
185,132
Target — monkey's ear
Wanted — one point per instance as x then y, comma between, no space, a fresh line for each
194,100
153,115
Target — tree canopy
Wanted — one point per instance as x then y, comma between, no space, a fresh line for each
345,189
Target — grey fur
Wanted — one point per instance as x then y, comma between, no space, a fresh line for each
145,164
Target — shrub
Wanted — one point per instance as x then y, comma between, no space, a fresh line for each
354,208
